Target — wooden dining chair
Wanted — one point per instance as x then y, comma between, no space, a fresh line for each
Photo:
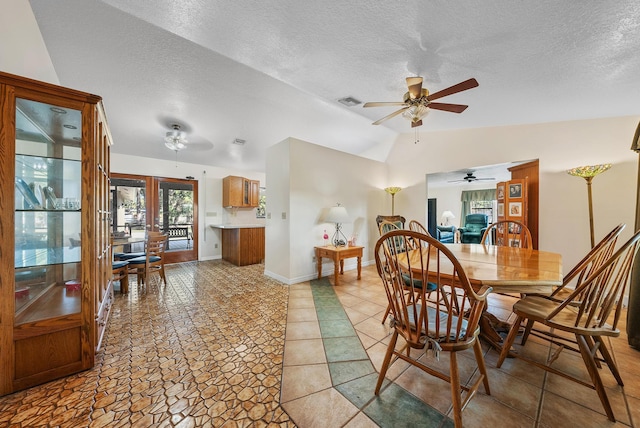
507,233
586,315
387,226
430,324
152,261
120,273
416,226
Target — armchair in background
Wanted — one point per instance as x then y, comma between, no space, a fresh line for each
474,227
446,234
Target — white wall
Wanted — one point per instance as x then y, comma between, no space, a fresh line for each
316,178
22,50
277,232
210,210
564,221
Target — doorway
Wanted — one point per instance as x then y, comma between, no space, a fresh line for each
167,205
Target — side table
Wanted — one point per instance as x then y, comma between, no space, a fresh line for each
338,254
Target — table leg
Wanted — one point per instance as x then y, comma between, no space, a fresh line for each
336,271
342,266
359,267
319,263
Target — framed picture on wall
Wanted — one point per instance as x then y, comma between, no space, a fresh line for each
515,190
500,209
500,192
515,209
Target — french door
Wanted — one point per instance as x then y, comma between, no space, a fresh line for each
168,205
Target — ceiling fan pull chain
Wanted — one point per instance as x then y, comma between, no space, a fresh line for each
417,139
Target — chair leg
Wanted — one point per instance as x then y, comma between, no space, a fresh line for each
604,351
386,314
477,350
595,376
456,392
124,283
387,360
527,330
508,342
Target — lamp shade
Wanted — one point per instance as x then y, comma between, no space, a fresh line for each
448,215
337,215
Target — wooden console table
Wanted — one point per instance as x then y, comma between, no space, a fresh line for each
338,254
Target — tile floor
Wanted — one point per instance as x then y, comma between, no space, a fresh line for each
219,347
335,345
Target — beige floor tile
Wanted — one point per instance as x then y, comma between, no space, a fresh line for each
303,330
304,352
301,302
323,409
300,381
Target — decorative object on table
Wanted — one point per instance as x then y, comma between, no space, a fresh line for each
392,191
417,101
446,216
588,172
633,311
338,215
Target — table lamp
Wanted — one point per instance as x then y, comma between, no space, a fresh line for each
588,172
338,215
446,216
392,191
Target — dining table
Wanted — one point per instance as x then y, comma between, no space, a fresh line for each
505,269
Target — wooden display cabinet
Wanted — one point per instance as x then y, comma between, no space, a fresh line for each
240,192
55,268
513,200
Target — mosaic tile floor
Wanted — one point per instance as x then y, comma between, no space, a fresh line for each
203,351
209,350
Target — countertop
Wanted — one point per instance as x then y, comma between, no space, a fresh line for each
236,226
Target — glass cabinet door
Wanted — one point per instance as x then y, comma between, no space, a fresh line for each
48,216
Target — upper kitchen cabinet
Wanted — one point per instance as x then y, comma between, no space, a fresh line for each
55,260
240,192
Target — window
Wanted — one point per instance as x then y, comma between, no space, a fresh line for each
483,207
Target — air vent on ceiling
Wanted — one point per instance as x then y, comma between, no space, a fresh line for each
349,101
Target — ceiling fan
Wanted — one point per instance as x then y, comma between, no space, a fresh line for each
418,101
469,177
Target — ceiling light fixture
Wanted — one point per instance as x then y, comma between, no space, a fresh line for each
175,139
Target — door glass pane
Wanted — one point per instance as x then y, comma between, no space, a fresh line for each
48,220
128,205
176,214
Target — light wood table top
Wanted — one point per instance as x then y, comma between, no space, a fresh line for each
506,269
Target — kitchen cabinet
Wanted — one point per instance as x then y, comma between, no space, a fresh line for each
240,192
55,268
242,244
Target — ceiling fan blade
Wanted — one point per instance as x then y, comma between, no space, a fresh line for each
462,86
389,116
453,108
382,104
416,124
415,87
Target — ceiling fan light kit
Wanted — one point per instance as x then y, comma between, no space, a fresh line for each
175,139
418,102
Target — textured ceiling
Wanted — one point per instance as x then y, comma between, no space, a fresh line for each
265,71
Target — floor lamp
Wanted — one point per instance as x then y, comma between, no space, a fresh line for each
392,191
588,172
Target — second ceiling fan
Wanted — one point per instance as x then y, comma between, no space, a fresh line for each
418,101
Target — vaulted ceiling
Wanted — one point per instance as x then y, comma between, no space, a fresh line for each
265,71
